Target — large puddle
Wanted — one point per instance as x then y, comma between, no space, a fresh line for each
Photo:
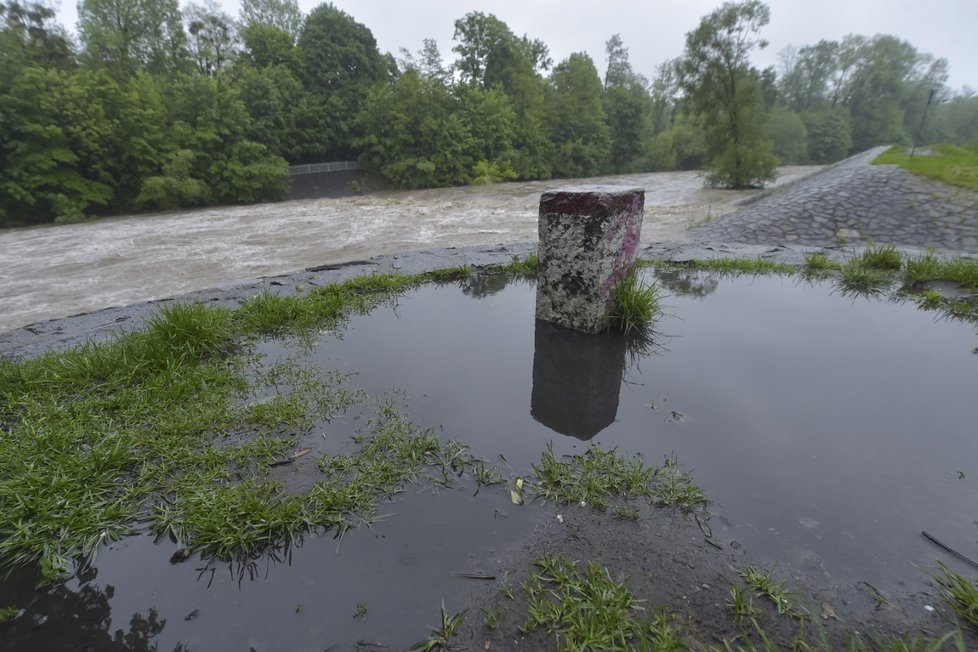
829,431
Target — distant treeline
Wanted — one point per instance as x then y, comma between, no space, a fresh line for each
156,107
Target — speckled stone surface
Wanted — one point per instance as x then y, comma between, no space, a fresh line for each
589,237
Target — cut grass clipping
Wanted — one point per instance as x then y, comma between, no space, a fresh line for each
171,429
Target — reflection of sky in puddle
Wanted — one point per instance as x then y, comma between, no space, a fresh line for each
829,431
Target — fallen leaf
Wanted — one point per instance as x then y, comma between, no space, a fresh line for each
828,611
515,495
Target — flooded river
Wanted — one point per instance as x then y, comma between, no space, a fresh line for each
55,271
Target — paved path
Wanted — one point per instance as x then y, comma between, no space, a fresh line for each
853,202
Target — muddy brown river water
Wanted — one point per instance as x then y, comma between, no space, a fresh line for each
59,270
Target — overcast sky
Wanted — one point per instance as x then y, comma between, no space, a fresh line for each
654,30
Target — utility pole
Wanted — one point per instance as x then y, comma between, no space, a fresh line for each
920,129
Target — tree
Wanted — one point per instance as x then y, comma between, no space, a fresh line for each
267,45
578,128
212,36
414,137
284,15
619,72
340,64
28,37
828,132
960,114
492,125
126,35
627,107
340,55
427,62
52,137
719,82
806,75
273,98
788,135
489,52
491,56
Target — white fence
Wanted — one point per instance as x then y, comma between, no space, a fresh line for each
315,168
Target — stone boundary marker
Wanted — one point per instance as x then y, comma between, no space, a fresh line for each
854,203
589,236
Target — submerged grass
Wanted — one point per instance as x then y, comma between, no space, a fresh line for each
953,165
597,476
857,279
740,266
928,268
167,427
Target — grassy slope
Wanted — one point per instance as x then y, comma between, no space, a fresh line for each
955,165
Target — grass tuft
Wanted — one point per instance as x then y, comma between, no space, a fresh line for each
440,636
818,261
742,605
764,585
525,267
588,610
597,476
927,268
635,305
857,279
885,257
959,592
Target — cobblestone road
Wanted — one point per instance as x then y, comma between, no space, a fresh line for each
853,202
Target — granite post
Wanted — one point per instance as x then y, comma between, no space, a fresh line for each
589,236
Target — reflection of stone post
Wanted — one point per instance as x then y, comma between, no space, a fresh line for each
588,239
576,379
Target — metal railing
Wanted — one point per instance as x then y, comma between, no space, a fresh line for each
332,166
